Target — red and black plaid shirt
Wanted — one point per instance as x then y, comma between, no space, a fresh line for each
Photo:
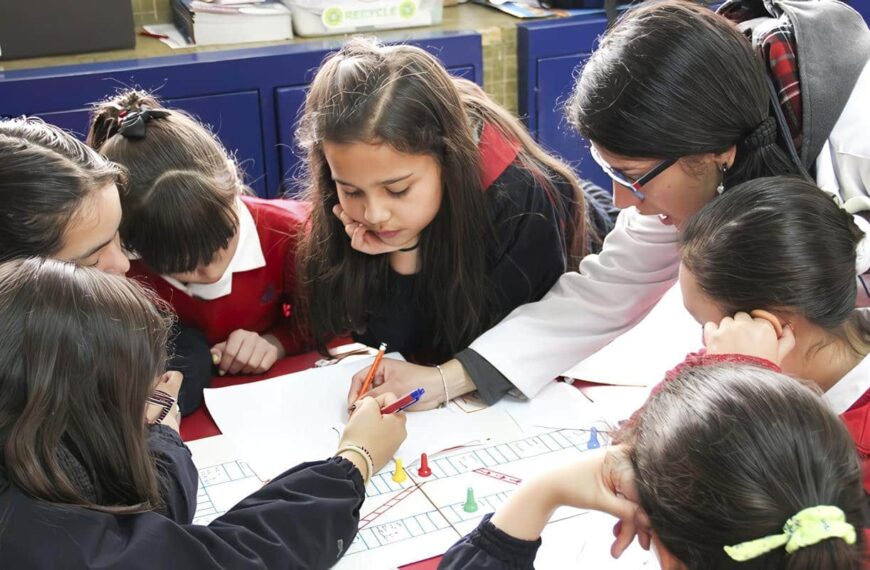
778,50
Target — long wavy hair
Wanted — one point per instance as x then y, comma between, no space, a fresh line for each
79,353
403,96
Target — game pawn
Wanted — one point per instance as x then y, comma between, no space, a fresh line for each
470,505
424,470
399,475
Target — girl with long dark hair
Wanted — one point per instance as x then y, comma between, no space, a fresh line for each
58,198
433,213
87,480
675,105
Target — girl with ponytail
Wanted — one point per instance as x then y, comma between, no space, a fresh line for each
783,246
728,466
219,256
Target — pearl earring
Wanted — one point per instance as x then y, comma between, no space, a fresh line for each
721,187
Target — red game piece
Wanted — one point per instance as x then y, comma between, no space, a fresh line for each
424,470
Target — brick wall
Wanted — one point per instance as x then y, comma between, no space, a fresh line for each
151,11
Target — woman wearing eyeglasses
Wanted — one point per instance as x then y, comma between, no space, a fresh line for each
675,105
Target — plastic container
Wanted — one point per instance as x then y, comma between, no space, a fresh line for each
328,17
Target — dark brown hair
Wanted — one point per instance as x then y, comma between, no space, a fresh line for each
179,200
46,175
779,243
726,454
79,353
673,79
403,96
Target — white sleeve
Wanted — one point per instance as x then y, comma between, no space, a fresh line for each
843,165
584,311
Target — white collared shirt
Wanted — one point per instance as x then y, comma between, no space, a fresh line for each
248,256
849,388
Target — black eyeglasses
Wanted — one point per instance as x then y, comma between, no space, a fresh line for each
634,185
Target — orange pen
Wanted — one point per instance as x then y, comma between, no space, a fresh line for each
373,370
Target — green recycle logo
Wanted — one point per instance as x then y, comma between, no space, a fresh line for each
407,9
332,17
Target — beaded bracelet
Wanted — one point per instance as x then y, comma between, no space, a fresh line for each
364,453
162,399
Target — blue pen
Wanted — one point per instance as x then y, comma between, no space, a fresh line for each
404,402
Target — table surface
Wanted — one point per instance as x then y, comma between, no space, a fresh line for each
200,424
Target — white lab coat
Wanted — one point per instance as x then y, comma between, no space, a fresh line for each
584,311
638,263
843,166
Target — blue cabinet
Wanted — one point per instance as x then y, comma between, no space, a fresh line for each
250,97
550,54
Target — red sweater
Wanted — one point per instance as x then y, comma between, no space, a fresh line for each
260,298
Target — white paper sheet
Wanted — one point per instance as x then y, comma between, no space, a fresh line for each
276,424
174,38
641,356
284,421
224,478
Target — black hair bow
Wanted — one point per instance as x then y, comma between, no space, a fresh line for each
133,124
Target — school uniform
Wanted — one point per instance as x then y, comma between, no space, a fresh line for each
489,548
850,398
254,292
304,518
528,253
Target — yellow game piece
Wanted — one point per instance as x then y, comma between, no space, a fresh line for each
399,475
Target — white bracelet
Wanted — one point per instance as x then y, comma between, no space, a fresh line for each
364,453
443,383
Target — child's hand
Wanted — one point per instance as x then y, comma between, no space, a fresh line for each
602,480
169,384
362,239
380,435
246,352
753,337
400,377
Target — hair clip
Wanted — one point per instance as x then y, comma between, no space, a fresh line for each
132,125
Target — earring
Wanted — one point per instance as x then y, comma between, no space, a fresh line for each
721,187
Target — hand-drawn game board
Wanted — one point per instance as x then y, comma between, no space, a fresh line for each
424,516
224,480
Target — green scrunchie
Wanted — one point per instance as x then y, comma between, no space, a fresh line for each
808,527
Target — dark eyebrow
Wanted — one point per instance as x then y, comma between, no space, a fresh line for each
381,183
95,249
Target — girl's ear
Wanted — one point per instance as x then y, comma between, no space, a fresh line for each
667,561
726,158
